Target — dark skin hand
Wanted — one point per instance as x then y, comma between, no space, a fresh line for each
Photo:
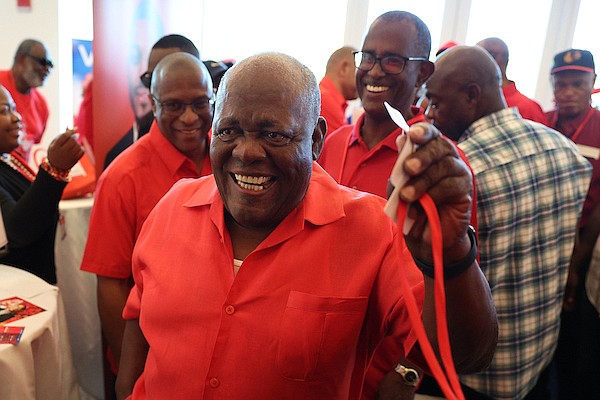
447,180
436,168
64,151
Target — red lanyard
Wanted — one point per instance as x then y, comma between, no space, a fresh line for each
580,127
447,380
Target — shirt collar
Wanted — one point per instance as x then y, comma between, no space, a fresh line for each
322,190
172,158
390,140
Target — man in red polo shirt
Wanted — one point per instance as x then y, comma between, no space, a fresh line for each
393,63
337,87
268,280
176,147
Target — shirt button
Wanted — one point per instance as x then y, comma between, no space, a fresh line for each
214,382
230,310
363,165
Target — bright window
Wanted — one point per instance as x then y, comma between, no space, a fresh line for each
585,36
309,30
522,25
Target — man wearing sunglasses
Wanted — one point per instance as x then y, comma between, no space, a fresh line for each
31,66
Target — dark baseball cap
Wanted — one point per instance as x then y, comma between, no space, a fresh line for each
573,60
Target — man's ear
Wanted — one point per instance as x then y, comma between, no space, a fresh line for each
318,137
152,103
473,92
426,69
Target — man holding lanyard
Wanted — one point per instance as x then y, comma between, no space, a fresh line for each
573,75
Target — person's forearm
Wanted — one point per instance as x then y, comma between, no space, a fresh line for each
112,295
133,359
471,314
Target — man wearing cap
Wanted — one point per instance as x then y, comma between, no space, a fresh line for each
30,69
573,75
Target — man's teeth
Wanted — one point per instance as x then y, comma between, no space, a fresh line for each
251,182
377,89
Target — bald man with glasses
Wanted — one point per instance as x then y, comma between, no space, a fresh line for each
31,67
176,147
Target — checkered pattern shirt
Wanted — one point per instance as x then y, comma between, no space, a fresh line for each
531,184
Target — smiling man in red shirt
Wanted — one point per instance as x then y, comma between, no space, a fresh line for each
268,280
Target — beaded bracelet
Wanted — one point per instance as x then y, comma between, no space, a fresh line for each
58,174
455,268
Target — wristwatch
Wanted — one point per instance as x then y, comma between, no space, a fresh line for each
409,375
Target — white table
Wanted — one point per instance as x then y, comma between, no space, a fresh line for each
40,366
78,289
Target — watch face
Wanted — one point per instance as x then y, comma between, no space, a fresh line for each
410,375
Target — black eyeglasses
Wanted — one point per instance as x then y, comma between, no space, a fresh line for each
392,64
178,107
146,78
43,61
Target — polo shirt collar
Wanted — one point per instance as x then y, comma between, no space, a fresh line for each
321,205
356,138
573,124
172,158
390,140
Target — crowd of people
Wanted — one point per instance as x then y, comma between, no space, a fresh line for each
239,238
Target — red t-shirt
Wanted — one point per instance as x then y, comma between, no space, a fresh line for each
126,193
528,108
363,169
298,321
333,105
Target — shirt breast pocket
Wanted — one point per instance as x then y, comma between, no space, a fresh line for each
318,334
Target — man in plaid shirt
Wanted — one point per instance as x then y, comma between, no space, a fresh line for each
531,185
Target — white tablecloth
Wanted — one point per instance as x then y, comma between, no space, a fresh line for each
78,290
40,366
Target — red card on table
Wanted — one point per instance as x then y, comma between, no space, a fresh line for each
11,334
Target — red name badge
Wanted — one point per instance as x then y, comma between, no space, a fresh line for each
11,334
